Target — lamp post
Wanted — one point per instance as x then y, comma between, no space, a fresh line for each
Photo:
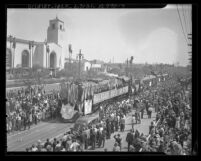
79,57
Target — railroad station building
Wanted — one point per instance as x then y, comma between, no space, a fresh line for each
49,54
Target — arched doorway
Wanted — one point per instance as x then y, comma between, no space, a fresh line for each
25,58
53,60
8,58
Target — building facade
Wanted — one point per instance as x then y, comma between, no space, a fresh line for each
48,54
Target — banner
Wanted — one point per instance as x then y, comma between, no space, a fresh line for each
101,97
109,94
67,111
87,106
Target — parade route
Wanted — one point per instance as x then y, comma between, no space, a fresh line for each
42,131
20,141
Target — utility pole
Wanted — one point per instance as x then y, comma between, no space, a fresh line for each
70,55
80,56
190,52
190,45
127,67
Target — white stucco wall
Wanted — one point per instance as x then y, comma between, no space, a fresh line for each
20,47
39,55
58,51
87,65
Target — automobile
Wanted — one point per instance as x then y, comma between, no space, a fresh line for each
85,121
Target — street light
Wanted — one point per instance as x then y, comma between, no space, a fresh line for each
79,57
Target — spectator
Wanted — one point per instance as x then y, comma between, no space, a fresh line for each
74,146
47,143
116,148
130,138
118,139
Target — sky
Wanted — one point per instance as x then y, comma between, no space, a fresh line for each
149,35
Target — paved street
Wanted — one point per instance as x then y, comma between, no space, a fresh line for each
42,131
20,141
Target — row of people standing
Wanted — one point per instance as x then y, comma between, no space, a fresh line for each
27,109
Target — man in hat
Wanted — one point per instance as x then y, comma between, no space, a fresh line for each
93,138
103,137
130,138
118,139
47,143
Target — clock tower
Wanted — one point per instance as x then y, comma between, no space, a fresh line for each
55,31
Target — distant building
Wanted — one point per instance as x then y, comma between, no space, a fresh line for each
85,64
97,65
27,53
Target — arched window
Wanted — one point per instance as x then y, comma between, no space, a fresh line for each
25,58
53,60
8,58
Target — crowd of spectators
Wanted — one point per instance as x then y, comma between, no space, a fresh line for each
29,106
170,133
94,136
